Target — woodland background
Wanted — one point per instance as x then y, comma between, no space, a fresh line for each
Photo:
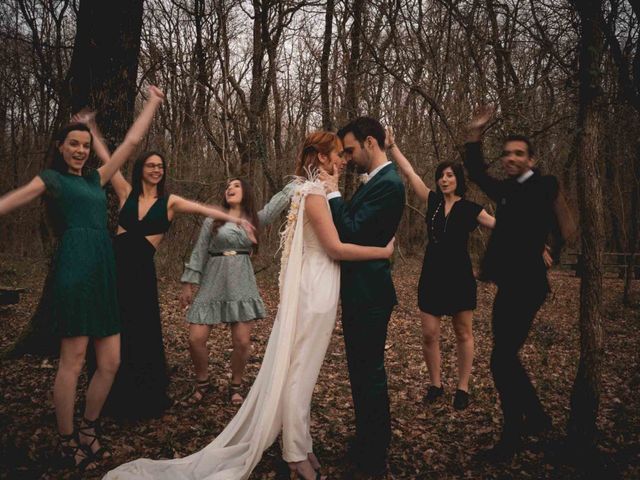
246,79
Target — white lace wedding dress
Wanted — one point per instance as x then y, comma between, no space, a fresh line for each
280,397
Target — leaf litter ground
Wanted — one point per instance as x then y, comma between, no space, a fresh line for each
428,442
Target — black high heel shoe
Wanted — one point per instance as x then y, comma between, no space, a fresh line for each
91,429
73,454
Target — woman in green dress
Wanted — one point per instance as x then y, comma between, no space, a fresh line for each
227,293
85,304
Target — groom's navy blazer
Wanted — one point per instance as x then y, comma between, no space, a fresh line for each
371,218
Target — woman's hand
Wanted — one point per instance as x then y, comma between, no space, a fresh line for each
390,247
86,116
156,93
390,138
186,296
249,228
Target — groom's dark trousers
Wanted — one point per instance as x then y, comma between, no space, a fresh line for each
368,296
525,217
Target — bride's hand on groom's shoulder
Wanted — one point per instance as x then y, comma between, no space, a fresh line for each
330,179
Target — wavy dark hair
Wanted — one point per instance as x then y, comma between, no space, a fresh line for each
458,171
57,160
136,174
247,205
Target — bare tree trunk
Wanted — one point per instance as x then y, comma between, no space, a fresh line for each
327,123
585,397
105,63
352,87
634,226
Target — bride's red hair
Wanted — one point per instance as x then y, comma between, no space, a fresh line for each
315,143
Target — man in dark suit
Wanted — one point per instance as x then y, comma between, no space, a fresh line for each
526,215
367,293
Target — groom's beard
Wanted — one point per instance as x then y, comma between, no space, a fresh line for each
364,166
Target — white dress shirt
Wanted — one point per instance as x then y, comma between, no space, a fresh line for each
525,176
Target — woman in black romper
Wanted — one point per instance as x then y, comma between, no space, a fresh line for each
447,285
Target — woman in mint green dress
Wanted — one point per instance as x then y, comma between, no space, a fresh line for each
227,293
85,304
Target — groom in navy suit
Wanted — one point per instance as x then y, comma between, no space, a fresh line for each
370,217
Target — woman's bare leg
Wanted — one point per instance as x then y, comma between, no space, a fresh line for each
462,325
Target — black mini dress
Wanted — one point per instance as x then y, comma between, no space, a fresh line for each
447,284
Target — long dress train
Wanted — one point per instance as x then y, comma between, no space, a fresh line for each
309,290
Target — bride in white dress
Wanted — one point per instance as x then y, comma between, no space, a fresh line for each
280,398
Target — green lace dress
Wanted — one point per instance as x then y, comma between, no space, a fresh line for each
84,299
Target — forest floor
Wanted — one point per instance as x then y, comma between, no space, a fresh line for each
428,442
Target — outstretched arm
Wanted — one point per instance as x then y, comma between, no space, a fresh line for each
418,185
120,185
178,204
276,205
133,137
21,196
322,224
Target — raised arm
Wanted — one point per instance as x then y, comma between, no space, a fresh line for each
322,224
133,137
418,185
276,205
178,204
120,185
21,196
474,158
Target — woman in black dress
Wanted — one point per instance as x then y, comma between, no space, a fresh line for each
447,285
146,211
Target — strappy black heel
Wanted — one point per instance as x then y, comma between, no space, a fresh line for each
236,389
201,389
91,429
73,454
